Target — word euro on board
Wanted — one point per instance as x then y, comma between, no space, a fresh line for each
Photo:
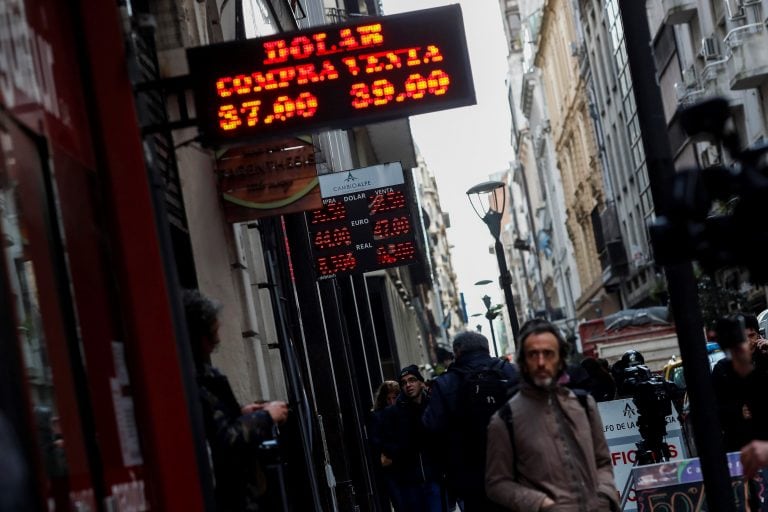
338,76
365,224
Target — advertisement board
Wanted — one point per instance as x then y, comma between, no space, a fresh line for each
622,433
363,72
268,179
365,223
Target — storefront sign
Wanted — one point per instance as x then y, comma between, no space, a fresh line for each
365,223
268,180
679,486
338,76
622,433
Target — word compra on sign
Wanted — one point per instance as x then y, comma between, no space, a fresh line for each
332,77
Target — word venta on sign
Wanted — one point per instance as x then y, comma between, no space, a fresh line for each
336,76
366,228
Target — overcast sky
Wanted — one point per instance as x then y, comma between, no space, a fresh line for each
464,146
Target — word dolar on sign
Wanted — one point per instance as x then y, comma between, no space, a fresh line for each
338,76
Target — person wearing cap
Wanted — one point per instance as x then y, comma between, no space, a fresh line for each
406,449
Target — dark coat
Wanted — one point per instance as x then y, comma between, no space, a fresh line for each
234,440
404,440
735,395
443,419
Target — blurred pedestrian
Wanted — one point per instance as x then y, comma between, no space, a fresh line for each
385,396
740,381
461,404
407,450
601,384
546,449
234,433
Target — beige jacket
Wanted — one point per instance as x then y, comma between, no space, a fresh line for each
577,474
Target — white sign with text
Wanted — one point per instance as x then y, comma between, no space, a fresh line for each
621,432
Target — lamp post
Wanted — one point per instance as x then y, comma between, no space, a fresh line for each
491,314
494,193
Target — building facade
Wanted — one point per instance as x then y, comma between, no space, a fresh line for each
575,145
626,254
708,48
110,206
537,242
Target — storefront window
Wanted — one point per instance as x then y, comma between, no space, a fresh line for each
25,292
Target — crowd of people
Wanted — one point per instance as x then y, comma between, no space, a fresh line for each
460,440
486,434
463,442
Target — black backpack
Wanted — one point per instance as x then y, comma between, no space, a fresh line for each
481,393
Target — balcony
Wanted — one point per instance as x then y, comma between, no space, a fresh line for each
679,11
748,62
714,80
689,90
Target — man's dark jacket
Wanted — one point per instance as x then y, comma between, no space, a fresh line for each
734,393
234,440
404,440
444,420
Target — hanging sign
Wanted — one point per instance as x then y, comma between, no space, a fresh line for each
337,76
365,223
268,180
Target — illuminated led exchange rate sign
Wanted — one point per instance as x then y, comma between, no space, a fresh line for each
365,223
338,76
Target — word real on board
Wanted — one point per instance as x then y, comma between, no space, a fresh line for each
365,223
337,76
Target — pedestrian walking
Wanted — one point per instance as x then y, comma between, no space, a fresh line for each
385,396
461,404
406,449
546,449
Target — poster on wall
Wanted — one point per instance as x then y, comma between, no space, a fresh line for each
267,180
365,223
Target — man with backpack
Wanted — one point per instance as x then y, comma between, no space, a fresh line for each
546,448
461,404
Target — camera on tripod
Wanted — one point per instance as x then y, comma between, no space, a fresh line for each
713,215
653,396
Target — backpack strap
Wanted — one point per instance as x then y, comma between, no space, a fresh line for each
505,413
583,396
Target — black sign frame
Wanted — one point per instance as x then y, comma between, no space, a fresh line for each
361,226
237,69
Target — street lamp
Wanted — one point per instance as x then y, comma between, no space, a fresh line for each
491,313
491,199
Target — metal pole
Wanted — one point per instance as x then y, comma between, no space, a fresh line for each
680,278
493,337
505,279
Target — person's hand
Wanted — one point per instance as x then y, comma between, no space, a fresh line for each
385,461
762,346
278,410
753,457
251,408
547,504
